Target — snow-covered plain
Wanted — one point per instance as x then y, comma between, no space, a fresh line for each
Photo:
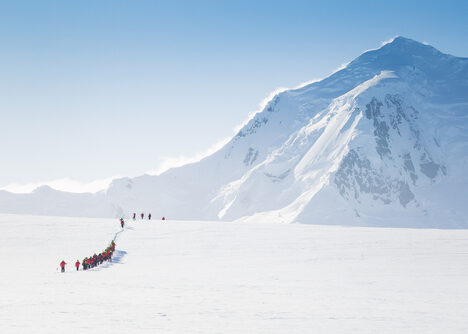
218,277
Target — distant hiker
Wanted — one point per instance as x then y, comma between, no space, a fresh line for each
142,216
149,216
85,263
134,216
163,218
122,223
62,265
77,265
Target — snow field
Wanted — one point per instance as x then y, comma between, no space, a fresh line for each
218,277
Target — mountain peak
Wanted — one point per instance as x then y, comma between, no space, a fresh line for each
406,57
44,189
379,142
410,60
399,40
407,45
400,50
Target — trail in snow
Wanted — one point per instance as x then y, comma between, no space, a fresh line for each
116,257
117,234
212,277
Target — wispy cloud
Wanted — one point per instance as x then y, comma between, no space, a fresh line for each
261,106
306,83
382,44
181,160
64,184
167,163
388,40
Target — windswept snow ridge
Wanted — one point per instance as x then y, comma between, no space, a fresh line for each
382,142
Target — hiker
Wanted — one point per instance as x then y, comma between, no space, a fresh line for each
122,223
134,216
97,259
149,216
62,265
142,216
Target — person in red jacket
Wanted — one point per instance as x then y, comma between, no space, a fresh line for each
77,265
122,222
62,265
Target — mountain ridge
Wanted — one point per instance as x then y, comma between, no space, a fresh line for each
370,142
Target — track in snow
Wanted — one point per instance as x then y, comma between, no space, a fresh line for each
210,277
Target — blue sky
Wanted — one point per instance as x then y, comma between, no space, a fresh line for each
92,89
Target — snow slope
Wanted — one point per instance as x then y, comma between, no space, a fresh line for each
213,277
382,142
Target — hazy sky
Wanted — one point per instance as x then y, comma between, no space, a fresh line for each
94,89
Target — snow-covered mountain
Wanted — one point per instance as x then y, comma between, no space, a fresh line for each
383,141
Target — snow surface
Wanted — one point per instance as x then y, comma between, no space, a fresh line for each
218,277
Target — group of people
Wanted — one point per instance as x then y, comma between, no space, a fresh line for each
97,259
93,261
142,215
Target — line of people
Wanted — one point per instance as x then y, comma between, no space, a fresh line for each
97,259
94,260
142,215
